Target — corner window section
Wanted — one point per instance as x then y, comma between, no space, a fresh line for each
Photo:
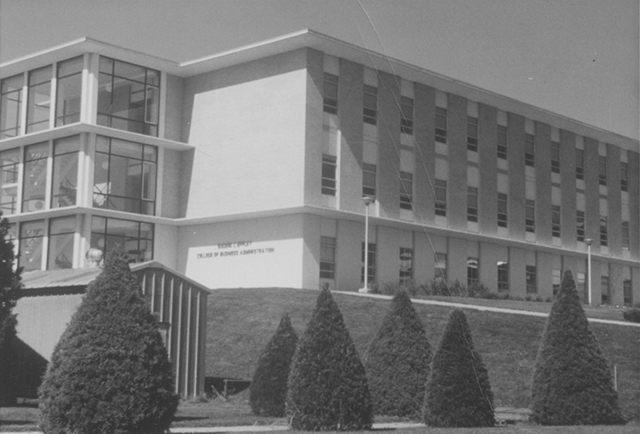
11,106
69,91
35,177
125,176
128,97
135,238
65,172
39,102
61,234
9,162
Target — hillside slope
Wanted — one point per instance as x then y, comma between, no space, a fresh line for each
241,321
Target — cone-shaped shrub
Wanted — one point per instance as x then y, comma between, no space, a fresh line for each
458,391
109,372
398,360
268,392
572,384
327,383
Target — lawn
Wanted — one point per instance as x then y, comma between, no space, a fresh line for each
241,321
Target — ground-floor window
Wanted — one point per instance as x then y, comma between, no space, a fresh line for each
627,292
371,268
327,257
556,279
61,235
581,279
532,287
606,289
473,274
406,265
440,267
31,241
503,276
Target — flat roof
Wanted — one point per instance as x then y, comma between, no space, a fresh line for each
335,47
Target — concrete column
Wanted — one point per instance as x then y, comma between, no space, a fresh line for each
517,272
389,145
424,134
489,256
515,157
457,260
488,162
615,281
457,147
544,277
350,101
542,142
348,254
422,259
388,251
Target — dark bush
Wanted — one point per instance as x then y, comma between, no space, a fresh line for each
268,391
397,362
327,384
572,384
458,391
109,372
9,288
632,315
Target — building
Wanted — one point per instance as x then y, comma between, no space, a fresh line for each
248,168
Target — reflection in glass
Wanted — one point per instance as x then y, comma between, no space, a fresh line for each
65,171
61,234
35,177
135,238
69,91
39,99
10,106
9,161
31,237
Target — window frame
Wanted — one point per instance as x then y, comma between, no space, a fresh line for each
503,275
556,221
406,115
406,265
329,95
368,189
472,204
531,279
530,216
501,142
441,126
555,157
440,186
503,210
328,265
329,182
472,134
406,190
370,108
529,150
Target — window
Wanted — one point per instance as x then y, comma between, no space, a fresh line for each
69,91
11,106
624,176
406,115
472,204
327,258
626,239
39,99
441,125
35,177
503,276
627,292
9,162
529,149
329,166
502,142
472,134
128,97
502,210
532,287
473,272
135,238
555,221
530,215
125,176
556,280
555,157
602,165
406,265
61,234
579,164
605,289
604,237
65,171
330,94
580,225
406,190
441,197
31,238
369,180
440,267
371,269
370,110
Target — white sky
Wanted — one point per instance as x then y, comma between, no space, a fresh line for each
578,58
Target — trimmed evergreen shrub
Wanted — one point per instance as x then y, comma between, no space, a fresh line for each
10,284
397,362
572,384
109,373
327,383
458,391
632,315
268,391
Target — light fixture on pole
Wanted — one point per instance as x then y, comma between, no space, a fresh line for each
368,200
589,241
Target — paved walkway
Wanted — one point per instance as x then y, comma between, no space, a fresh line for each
485,308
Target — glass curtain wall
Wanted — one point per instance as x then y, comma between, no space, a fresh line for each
135,238
65,172
11,106
39,99
61,235
35,177
9,162
69,91
31,240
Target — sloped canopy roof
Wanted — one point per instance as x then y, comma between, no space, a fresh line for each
76,280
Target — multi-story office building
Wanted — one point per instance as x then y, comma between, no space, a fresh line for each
248,168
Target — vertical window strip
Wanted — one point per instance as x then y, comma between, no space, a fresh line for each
406,190
529,150
473,272
11,106
579,163
604,231
370,106
555,221
502,142
580,225
371,269
406,265
532,286
472,134
441,125
472,204
327,257
624,176
441,197
39,99
502,210
626,238
406,115
503,276
530,215
602,172
555,157
329,169
330,94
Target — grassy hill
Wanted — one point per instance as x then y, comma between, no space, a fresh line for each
241,321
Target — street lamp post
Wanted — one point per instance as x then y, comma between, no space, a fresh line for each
368,200
589,241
